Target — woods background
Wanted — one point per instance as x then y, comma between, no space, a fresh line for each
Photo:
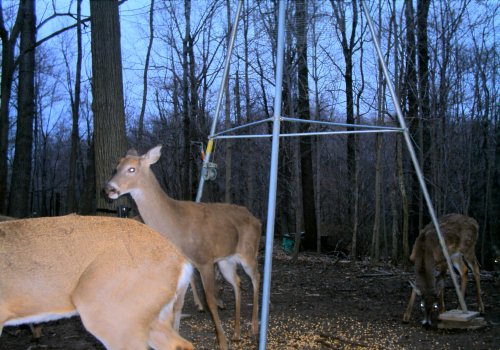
82,81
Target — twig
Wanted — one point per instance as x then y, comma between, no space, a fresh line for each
325,343
379,274
336,337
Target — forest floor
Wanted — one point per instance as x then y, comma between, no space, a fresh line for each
318,302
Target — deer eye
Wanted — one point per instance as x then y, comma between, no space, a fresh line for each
131,170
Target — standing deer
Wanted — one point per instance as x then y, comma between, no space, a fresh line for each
207,233
460,234
125,280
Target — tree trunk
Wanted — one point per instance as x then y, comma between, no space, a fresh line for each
88,202
196,118
8,68
140,127
412,116
424,99
250,159
72,205
285,152
348,46
306,166
110,142
186,110
19,198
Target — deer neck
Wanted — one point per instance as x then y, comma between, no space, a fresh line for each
157,209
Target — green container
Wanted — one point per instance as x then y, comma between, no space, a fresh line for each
288,242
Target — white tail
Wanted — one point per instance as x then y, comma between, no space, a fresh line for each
460,234
206,233
125,281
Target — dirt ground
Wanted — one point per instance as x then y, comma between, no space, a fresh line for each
317,303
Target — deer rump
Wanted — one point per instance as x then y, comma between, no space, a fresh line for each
460,234
125,281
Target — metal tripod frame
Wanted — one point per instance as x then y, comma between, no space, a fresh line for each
273,180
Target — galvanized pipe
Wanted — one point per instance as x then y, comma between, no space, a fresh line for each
210,144
273,179
414,159
319,133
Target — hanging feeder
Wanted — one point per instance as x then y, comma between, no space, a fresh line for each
210,173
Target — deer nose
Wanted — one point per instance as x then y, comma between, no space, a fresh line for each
111,190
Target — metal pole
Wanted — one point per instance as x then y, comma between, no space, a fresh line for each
415,160
273,179
210,144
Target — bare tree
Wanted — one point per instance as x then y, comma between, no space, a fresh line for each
8,68
317,116
110,142
348,49
140,128
250,194
21,168
423,96
72,205
410,91
304,112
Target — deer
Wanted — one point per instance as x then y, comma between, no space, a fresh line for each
207,233
125,281
460,233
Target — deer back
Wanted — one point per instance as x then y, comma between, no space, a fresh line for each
105,269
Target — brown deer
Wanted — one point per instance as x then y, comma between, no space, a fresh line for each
125,280
460,234
207,233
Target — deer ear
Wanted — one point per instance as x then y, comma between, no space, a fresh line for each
132,152
153,155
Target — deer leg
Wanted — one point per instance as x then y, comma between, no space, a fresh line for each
196,297
36,330
228,270
251,270
440,289
207,273
177,308
218,290
409,308
127,333
163,337
461,266
477,279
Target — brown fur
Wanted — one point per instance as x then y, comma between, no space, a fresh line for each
207,233
460,234
117,274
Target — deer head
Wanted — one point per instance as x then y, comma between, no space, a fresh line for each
130,171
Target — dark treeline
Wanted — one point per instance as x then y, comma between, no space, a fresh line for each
64,122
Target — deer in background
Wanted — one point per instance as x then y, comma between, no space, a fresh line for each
207,233
460,234
125,280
